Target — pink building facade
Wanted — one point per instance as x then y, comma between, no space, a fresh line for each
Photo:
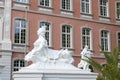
70,24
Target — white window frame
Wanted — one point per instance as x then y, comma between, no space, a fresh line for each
90,47
19,31
117,15
70,7
22,1
70,45
89,9
104,14
49,5
106,45
19,64
48,31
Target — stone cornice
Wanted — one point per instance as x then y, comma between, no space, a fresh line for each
74,18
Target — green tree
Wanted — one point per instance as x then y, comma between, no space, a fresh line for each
110,71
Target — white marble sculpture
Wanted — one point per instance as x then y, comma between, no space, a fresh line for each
84,54
45,58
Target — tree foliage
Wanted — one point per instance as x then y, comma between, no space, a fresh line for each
110,71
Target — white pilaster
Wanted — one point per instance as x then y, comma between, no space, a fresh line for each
5,49
1,28
7,19
6,43
6,61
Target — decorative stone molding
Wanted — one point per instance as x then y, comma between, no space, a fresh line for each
54,75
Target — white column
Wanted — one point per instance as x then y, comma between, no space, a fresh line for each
7,19
6,50
6,43
1,28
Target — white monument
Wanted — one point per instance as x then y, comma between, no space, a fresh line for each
49,64
84,54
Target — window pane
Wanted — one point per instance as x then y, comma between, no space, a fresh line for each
85,6
86,37
118,38
66,36
103,8
66,4
45,3
118,10
104,40
18,64
20,31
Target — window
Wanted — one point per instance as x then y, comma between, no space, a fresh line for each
23,1
119,38
48,32
118,10
20,31
105,40
86,6
66,36
66,5
86,38
18,64
45,3
104,8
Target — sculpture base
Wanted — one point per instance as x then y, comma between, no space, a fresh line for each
52,74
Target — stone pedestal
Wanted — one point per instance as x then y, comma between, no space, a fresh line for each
49,74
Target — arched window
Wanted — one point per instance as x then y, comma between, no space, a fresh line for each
86,38
67,5
105,43
118,10
67,36
18,64
104,8
46,3
86,6
20,31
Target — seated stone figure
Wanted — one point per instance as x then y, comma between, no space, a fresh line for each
84,54
45,58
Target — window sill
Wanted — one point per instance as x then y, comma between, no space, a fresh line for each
86,15
105,52
67,12
104,19
45,9
20,5
71,49
19,47
118,21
